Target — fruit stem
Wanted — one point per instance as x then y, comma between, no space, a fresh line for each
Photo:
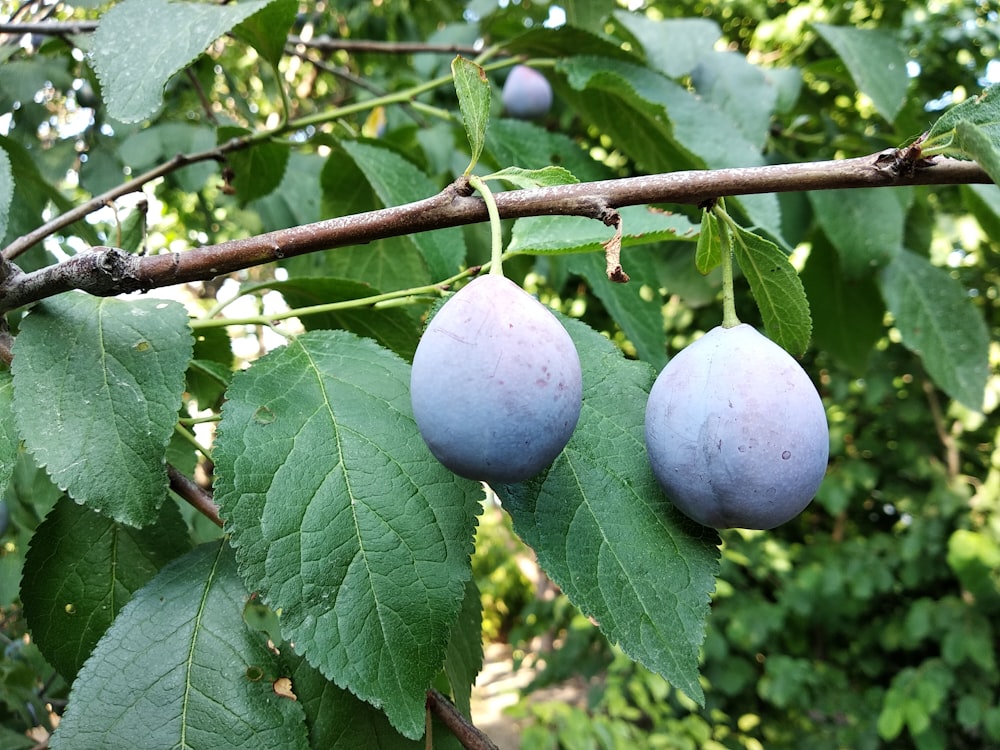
729,319
496,236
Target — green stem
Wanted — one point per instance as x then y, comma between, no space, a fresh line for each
189,437
211,321
496,236
729,318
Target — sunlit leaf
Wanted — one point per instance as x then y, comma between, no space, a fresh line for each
97,383
343,520
178,668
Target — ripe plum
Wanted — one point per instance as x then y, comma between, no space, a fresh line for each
496,385
526,94
736,432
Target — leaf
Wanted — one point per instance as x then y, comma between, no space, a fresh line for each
982,145
743,91
937,321
663,126
876,62
158,143
464,659
80,571
267,29
984,202
97,386
474,91
606,534
534,178
708,254
974,557
561,235
982,110
776,288
865,225
586,14
9,439
673,46
397,181
297,199
256,171
343,520
531,146
6,191
392,327
134,57
847,312
180,653
635,306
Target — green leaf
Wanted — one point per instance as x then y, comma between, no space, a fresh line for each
6,190
587,14
635,306
708,254
534,178
663,126
865,225
267,29
464,659
180,651
531,146
256,171
982,145
97,386
606,534
562,235
474,91
847,312
937,320
342,518
673,46
297,199
982,110
140,44
9,439
743,91
984,202
392,327
80,571
396,181
876,62
776,288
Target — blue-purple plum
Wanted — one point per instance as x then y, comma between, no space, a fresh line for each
526,94
496,384
735,431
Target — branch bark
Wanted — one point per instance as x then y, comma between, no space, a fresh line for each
109,271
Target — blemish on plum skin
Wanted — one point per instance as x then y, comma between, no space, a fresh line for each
785,455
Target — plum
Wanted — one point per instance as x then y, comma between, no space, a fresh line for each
526,93
736,432
496,384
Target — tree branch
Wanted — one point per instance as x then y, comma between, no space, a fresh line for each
109,271
49,28
470,737
197,497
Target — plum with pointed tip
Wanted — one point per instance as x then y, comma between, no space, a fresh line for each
736,432
496,385
526,94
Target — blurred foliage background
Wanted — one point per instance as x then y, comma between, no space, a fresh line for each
868,622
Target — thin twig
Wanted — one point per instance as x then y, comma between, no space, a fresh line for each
329,44
470,737
198,498
49,28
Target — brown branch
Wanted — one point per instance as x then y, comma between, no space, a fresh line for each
470,737
109,271
49,28
198,498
